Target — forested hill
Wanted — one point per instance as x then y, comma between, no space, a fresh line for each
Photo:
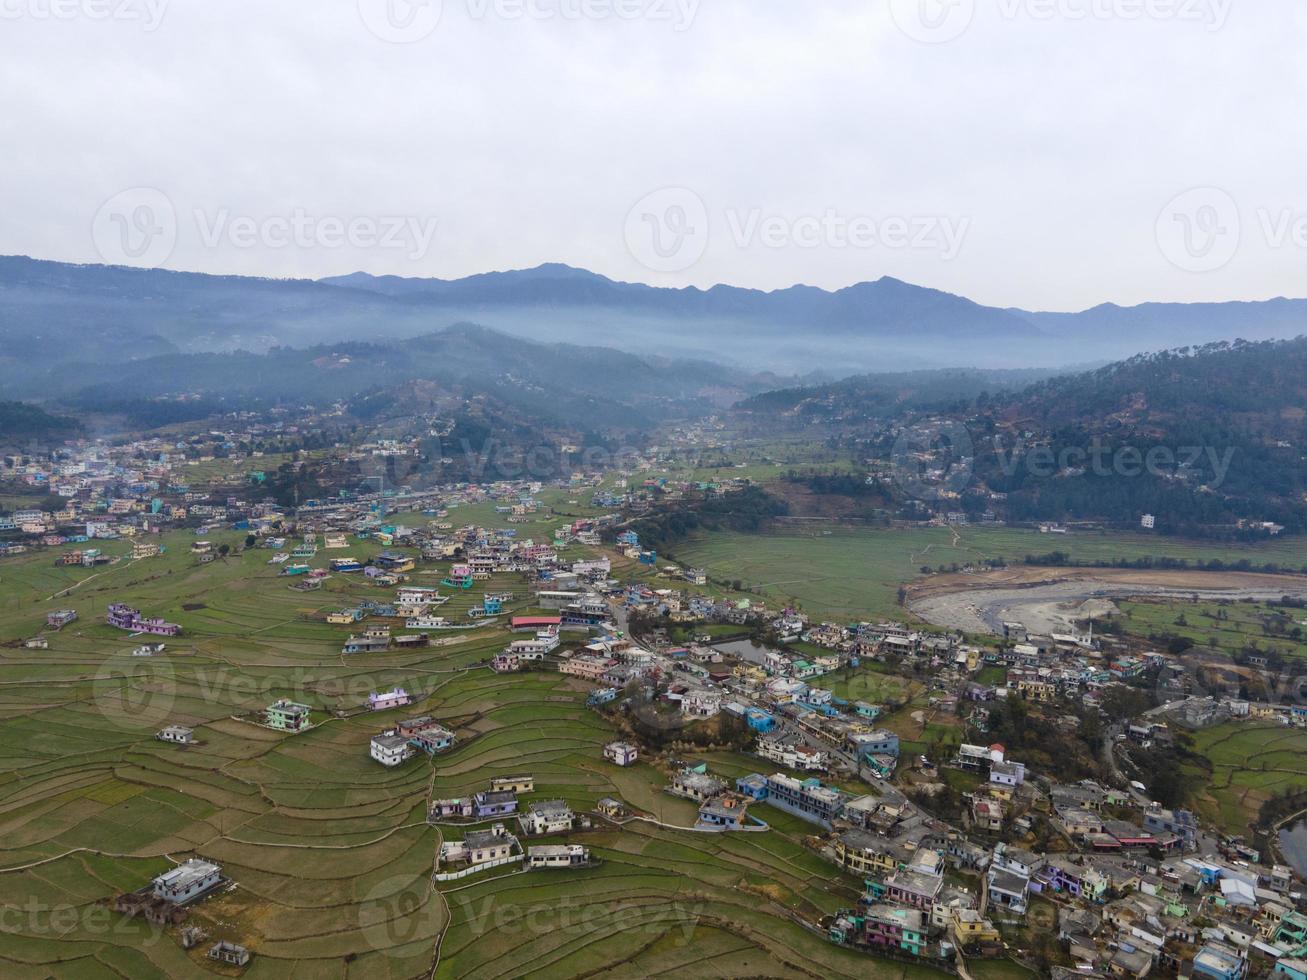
878,396
20,422
1254,388
1226,425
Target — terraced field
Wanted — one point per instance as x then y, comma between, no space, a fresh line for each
1250,762
331,853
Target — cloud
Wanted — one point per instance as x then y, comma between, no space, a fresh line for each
525,132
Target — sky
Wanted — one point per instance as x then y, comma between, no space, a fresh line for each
1046,154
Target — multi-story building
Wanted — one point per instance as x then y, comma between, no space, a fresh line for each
807,799
188,881
287,716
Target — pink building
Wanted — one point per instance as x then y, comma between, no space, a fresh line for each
125,617
391,699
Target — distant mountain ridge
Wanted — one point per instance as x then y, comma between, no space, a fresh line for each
110,314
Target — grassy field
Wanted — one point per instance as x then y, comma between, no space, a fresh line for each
849,573
1228,626
331,853
1250,761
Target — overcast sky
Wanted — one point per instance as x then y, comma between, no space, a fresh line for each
1050,154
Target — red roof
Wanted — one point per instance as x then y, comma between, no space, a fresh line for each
537,621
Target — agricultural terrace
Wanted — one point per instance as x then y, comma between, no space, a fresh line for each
855,573
1250,763
331,853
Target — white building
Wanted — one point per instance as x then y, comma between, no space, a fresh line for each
621,753
557,856
547,817
188,881
390,750
176,733
701,704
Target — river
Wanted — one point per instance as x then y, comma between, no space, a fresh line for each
1293,845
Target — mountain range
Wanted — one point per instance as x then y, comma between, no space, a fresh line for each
94,314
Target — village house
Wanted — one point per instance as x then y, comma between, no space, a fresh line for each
188,881
587,667
390,749
513,784
176,734
557,856
701,703
914,889
59,619
480,846
494,803
230,954
807,799
366,644
898,928
432,738
726,810
697,786
547,817
287,716
791,753
621,753
397,698
865,853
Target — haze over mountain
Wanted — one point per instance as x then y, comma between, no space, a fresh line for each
108,314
